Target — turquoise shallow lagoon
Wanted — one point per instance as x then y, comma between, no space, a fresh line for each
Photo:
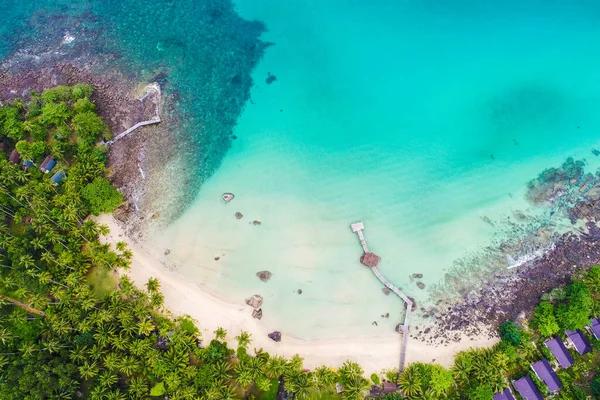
423,119
417,118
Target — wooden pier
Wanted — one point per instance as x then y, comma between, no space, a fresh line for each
371,260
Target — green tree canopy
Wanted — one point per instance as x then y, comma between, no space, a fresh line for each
544,319
101,197
510,332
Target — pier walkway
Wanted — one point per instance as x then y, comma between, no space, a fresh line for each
404,328
120,136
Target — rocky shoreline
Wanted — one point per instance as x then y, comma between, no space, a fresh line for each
571,195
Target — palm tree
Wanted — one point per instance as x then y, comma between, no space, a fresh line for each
145,327
220,334
276,366
153,285
354,388
138,388
410,382
220,371
299,383
88,370
244,339
324,376
107,379
461,369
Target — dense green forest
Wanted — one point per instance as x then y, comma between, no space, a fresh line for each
70,327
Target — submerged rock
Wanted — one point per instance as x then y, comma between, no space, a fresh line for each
385,291
417,275
264,275
257,313
299,291
256,222
238,215
255,301
421,285
270,78
227,197
275,336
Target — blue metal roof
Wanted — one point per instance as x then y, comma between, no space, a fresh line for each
57,177
560,352
527,389
28,163
580,341
544,371
506,394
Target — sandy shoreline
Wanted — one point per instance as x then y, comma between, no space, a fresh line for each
186,297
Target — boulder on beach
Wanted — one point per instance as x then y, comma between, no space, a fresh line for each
227,197
421,285
275,336
238,215
264,275
255,301
257,313
417,276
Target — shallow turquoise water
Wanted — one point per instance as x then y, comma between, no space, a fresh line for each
417,117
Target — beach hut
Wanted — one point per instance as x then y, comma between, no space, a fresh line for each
57,177
578,341
595,328
546,374
375,391
27,164
506,394
389,387
560,352
15,157
527,389
48,164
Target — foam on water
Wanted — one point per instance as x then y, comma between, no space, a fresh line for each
417,119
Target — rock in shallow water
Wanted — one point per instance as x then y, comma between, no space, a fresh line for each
264,275
227,197
416,275
421,285
385,291
238,215
275,336
255,301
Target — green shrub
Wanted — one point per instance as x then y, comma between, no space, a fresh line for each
88,127
375,379
101,196
82,90
544,319
59,93
55,114
510,332
83,105
158,389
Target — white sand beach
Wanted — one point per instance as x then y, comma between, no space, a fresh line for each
185,297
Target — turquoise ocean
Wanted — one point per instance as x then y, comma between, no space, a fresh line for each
422,119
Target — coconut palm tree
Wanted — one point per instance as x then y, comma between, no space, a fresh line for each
354,388
299,383
410,382
153,285
244,339
220,334
88,370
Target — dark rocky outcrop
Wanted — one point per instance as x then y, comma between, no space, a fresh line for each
275,336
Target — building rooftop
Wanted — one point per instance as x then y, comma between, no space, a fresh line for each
527,389
15,157
48,164
544,371
57,177
579,340
560,352
389,387
595,328
506,394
